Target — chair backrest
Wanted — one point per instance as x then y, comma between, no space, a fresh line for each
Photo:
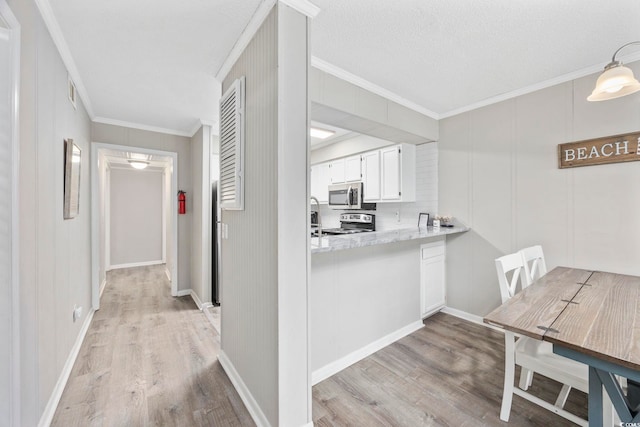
534,265
505,265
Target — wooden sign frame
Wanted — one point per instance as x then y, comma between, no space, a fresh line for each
600,151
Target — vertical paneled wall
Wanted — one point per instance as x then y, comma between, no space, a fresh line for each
54,253
498,173
6,218
249,256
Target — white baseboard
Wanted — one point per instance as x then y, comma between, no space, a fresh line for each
183,293
56,394
469,317
195,299
351,358
252,406
135,264
102,286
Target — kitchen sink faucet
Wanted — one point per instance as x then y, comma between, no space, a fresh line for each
313,199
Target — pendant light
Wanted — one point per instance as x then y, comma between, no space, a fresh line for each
615,81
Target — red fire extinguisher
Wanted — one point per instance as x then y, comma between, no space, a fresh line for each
182,202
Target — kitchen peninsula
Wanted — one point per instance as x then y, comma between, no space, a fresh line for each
371,289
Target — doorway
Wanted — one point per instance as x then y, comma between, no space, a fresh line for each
117,170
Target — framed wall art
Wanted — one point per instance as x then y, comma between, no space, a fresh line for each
72,161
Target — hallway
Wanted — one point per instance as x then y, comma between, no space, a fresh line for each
149,359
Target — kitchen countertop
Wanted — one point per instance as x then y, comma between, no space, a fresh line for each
351,241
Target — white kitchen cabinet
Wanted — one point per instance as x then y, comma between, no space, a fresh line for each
398,173
320,180
390,166
336,170
432,277
345,170
352,170
371,176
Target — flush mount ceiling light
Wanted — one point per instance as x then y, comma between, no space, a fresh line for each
138,164
320,133
615,81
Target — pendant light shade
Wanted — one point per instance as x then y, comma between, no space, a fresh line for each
615,81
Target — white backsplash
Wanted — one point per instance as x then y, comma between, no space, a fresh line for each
426,196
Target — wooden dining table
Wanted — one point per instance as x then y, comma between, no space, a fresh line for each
589,316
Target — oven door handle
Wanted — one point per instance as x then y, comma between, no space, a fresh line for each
350,196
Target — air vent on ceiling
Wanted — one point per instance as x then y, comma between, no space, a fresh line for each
232,147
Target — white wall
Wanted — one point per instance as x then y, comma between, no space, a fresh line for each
201,225
118,135
499,175
54,254
265,258
135,201
426,194
6,219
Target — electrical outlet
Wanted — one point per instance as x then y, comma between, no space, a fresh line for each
397,216
77,312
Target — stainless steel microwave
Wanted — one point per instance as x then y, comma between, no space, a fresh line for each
345,196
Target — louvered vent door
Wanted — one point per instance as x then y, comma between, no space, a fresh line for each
232,147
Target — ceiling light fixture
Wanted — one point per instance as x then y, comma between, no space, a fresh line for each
320,133
138,164
615,81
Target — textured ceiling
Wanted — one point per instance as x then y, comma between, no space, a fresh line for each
445,55
152,62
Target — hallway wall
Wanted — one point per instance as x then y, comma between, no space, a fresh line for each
119,135
55,264
201,221
135,217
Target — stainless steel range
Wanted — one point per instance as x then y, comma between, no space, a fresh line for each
351,223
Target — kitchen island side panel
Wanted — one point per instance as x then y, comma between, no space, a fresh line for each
359,296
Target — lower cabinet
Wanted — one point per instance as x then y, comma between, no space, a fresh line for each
432,280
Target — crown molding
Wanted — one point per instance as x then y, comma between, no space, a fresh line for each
303,6
371,87
243,41
538,86
200,123
122,123
63,48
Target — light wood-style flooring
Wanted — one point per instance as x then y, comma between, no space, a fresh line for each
449,373
150,359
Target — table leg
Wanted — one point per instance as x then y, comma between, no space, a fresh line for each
595,398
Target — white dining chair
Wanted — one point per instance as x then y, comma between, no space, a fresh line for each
534,356
534,267
534,264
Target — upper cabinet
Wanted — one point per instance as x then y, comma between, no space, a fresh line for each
387,174
320,180
398,173
371,175
345,170
336,171
352,169
390,173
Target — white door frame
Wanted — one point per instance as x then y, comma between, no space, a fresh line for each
14,341
96,147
